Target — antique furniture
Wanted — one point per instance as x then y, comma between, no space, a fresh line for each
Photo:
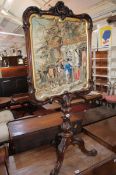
111,99
56,106
96,114
110,96
32,131
13,80
9,61
93,97
41,130
5,117
5,102
20,98
100,66
104,132
58,50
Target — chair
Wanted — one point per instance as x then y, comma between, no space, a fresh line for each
5,117
93,97
20,105
21,98
110,96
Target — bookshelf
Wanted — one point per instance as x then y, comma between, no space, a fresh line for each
104,67
100,69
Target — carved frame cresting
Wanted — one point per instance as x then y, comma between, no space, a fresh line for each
58,46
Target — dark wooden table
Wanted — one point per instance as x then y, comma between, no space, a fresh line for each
55,105
92,97
104,132
96,114
34,131
5,102
20,98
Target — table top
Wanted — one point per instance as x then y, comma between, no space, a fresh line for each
92,95
5,100
32,124
104,131
52,106
55,105
20,98
96,114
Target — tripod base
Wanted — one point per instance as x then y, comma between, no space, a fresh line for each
69,139
67,136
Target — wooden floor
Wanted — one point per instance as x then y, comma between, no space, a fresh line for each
40,161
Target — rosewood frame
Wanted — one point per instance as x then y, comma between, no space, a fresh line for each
61,11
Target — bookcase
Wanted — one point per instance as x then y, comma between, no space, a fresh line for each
112,64
103,60
104,68
100,69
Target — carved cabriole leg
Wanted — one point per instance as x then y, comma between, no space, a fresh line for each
80,143
65,142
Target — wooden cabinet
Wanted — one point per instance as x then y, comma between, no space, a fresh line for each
7,86
13,80
13,85
14,71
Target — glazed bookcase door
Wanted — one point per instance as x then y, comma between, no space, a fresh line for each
58,49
